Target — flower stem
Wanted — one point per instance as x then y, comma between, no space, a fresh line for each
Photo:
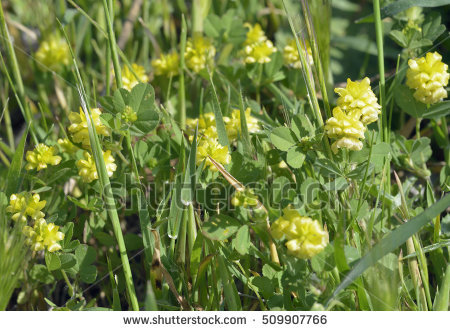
109,13
69,285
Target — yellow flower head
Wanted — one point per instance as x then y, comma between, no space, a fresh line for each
428,76
291,57
358,97
129,115
43,236
305,237
41,156
79,127
257,48
259,53
255,34
129,80
347,129
166,65
205,121
25,204
199,53
67,146
87,169
211,147
245,198
53,53
233,123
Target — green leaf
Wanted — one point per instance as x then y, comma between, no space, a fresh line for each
13,178
52,261
295,157
264,285
282,138
399,38
220,125
379,152
142,101
229,287
220,227
391,241
328,168
40,273
273,68
405,100
441,300
432,27
438,110
67,261
242,241
402,5
85,256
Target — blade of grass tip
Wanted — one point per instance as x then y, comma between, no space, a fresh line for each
316,55
108,196
116,299
220,125
442,297
13,177
392,241
181,116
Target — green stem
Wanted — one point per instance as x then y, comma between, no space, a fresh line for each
380,51
418,120
133,159
112,42
69,285
182,93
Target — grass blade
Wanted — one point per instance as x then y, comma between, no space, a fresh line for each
393,240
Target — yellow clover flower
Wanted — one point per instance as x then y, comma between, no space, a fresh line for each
129,80
67,146
305,237
25,204
255,34
233,123
205,121
358,97
79,127
428,76
346,129
199,53
40,157
166,65
257,48
43,236
53,53
259,53
87,169
291,57
210,146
